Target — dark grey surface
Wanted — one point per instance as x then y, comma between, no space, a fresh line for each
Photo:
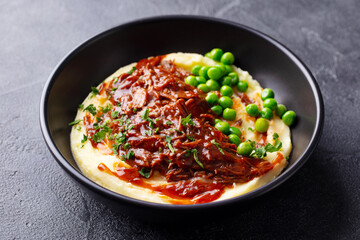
38,200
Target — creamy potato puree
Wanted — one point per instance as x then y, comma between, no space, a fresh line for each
88,158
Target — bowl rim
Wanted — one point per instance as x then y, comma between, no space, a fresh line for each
79,177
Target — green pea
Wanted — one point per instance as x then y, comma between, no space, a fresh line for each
200,80
225,102
191,80
212,98
226,91
203,72
208,55
252,109
234,78
217,120
266,113
217,109
267,93
244,148
223,127
222,66
261,125
195,69
229,114
280,110
216,54
215,73
227,58
289,117
228,69
270,103
234,139
242,86
213,85
225,81
236,131
203,87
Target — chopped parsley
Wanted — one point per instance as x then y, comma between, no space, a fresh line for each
195,152
275,136
127,146
261,152
191,138
218,146
187,120
115,114
91,109
287,158
96,126
135,110
178,130
94,91
84,139
168,140
75,122
99,136
107,108
81,106
132,70
169,123
145,114
128,155
250,129
148,132
145,172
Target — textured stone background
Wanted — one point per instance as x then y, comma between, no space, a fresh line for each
37,199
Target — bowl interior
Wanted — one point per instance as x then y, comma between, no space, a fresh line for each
267,61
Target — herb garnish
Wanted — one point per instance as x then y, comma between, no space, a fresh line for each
195,152
187,120
128,155
250,129
91,109
145,172
168,140
168,123
107,108
132,70
191,138
115,114
75,122
84,139
127,146
261,152
99,136
145,114
81,106
218,146
94,91
148,132
96,126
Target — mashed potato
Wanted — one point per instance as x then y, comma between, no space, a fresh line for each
89,158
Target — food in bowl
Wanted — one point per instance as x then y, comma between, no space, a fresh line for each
181,128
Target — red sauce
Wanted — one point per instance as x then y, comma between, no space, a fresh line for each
197,170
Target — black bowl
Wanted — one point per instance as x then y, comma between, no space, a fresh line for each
272,64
